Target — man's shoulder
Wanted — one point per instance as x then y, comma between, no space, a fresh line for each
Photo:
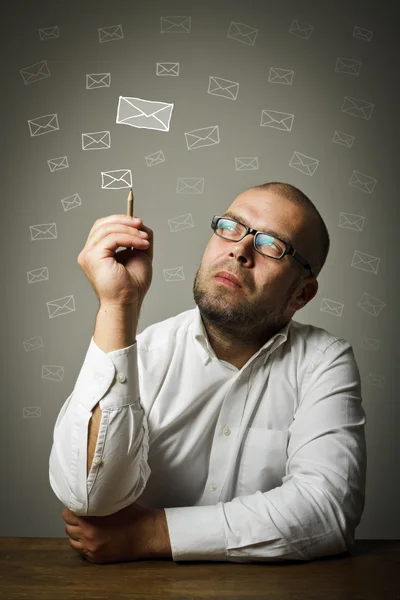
317,338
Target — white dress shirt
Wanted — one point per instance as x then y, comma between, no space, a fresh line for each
267,462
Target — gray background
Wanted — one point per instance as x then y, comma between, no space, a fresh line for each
32,195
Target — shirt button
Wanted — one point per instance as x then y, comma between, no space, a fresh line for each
121,377
97,461
213,486
227,431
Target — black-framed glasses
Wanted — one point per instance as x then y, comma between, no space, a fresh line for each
264,243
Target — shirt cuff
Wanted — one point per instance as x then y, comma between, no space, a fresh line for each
197,532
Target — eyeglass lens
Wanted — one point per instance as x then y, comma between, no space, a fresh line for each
266,244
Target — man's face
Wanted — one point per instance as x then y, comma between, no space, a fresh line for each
267,294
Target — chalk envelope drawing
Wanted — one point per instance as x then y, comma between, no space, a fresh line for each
246,163
357,107
190,185
344,139
362,182
35,72
174,274
98,140
37,275
116,180
44,231
33,343
350,221
277,120
362,34
199,138
303,163
365,262
223,87
71,202
144,114
242,33
348,66
111,33
167,68
370,344
44,124
302,30
377,380
61,306
57,164
53,372
155,159
49,33
31,412
95,81
181,222
332,307
284,76
176,24
370,304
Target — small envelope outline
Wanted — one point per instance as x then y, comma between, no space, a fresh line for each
362,34
277,120
242,33
349,66
94,81
357,107
43,124
284,76
376,380
370,304
144,114
31,412
167,69
365,262
53,372
181,222
43,231
175,274
223,87
176,24
97,140
35,72
61,306
302,30
111,33
49,33
349,221
36,275
155,159
199,138
371,344
332,307
303,163
57,164
190,185
33,343
345,139
246,163
71,202
116,180
363,182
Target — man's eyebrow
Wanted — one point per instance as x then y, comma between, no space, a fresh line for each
236,217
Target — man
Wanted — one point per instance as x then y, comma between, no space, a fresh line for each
245,440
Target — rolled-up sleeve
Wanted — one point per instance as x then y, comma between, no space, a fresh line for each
315,511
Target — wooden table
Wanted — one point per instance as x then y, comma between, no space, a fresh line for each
48,568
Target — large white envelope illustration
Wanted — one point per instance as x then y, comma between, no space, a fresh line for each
61,306
98,80
246,163
370,304
176,24
175,274
33,344
365,262
349,221
49,33
190,185
371,344
344,139
357,107
303,30
277,120
348,66
363,182
98,140
155,159
31,412
144,114
57,164
110,33
376,380
167,68
223,87
304,163
181,222
116,180
242,33
331,307
198,138
41,274
35,72
44,231
44,124
52,372
71,202
362,34
280,76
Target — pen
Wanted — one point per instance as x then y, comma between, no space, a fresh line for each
130,205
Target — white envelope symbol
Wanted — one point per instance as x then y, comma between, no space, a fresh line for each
175,274
377,380
349,221
362,182
71,202
246,163
190,185
357,108
362,34
168,68
116,180
348,65
277,120
44,231
331,307
365,262
33,344
198,138
98,80
177,24
242,33
370,344
280,76
49,33
35,72
223,87
44,124
98,140
110,33
303,30
343,138
370,304
31,412
41,274
303,163
181,222
52,372
61,306
57,164
144,114
155,159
